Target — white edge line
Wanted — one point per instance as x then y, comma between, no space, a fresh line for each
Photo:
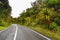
33,31
15,33
41,35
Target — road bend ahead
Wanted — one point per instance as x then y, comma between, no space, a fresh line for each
16,32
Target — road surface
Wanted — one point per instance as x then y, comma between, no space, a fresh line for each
16,32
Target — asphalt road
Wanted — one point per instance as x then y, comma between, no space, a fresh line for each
16,32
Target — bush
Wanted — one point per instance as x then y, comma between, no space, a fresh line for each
53,26
2,23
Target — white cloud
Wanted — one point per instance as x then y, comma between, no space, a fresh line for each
19,5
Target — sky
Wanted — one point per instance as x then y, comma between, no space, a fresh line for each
18,6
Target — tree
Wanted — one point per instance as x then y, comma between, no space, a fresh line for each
5,10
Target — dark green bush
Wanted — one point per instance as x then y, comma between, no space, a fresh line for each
1,23
53,26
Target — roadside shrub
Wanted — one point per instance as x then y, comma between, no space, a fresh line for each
2,23
53,26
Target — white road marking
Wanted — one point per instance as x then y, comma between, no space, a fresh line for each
15,33
38,33
41,35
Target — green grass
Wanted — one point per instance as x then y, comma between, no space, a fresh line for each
2,28
46,32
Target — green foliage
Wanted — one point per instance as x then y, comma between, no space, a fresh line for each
57,20
1,23
5,13
53,26
53,2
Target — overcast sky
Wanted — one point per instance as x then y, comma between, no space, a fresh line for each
19,5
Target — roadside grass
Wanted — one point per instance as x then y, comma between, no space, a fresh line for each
48,33
5,26
2,28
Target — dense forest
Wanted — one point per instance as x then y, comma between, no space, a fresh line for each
43,16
